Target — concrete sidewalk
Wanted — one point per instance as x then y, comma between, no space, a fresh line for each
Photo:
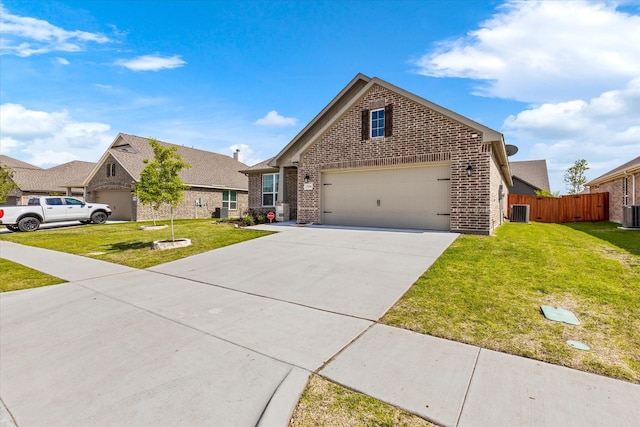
190,343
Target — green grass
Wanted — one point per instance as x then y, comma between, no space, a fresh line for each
324,403
487,291
127,244
15,276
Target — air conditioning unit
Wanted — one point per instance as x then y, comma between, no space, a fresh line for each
520,213
631,216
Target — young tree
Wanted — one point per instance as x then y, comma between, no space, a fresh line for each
160,180
574,176
6,183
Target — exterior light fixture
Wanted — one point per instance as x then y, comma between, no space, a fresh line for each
469,169
306,178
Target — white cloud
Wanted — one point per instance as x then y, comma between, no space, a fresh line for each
603,130
246,154
541,51
25,36
62,61
50,138
274,119
152,62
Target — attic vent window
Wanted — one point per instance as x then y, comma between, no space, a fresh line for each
111,169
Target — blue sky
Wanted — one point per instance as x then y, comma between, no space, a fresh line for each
560,79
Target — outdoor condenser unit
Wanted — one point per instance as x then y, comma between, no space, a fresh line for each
520,213
631,216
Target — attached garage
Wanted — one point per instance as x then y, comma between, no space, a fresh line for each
119,201
400,197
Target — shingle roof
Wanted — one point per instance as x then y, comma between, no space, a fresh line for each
32,178
533,172
207,169
260,167
632,166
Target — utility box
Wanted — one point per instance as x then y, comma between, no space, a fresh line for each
282,212
221,213
520,213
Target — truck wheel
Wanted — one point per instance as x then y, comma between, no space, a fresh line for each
99,217
28,223
12,228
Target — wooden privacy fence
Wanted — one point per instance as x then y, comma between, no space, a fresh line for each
572,208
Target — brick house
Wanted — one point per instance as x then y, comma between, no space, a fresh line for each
623,186
65,179
380,156
214,181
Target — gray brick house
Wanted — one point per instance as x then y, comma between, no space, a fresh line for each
214,180
378,155
623,186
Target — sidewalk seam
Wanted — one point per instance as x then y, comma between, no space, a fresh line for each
466,394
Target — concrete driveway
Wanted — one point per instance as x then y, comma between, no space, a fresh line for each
228,337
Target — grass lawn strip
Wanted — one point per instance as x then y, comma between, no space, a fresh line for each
14,277
127,244
486,291
325,403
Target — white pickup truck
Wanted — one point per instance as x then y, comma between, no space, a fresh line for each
41,210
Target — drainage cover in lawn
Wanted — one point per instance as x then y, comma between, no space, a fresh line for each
559,315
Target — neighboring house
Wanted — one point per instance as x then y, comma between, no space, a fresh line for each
214,181
623,186
64,179
378,155
529,176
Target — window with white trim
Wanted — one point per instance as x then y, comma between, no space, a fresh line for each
230,200
111,169
377,123
270,184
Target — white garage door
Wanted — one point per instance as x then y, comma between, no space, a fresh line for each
411,197
119,202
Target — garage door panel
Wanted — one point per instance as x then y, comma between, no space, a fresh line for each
414,197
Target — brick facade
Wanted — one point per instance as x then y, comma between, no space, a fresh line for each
616,197
420,136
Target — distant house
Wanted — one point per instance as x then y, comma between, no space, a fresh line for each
529,176
214,180
65,179
623,186
380,156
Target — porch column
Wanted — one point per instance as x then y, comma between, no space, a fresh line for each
281,185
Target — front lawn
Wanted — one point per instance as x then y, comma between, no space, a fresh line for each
15,276
127,244
487,291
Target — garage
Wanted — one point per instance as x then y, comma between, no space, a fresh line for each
119,201
409,197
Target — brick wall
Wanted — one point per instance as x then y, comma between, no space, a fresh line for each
211,199
420,135
120,181
614,188
292,184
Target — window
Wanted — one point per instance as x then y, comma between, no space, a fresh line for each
270,189
230,200
54,201
70,201
625,191
377,123
111,169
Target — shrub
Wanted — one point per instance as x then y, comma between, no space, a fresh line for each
248,220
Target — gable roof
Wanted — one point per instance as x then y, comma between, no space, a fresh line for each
532,172
350,95
261,167
208,169
32,178
631,167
